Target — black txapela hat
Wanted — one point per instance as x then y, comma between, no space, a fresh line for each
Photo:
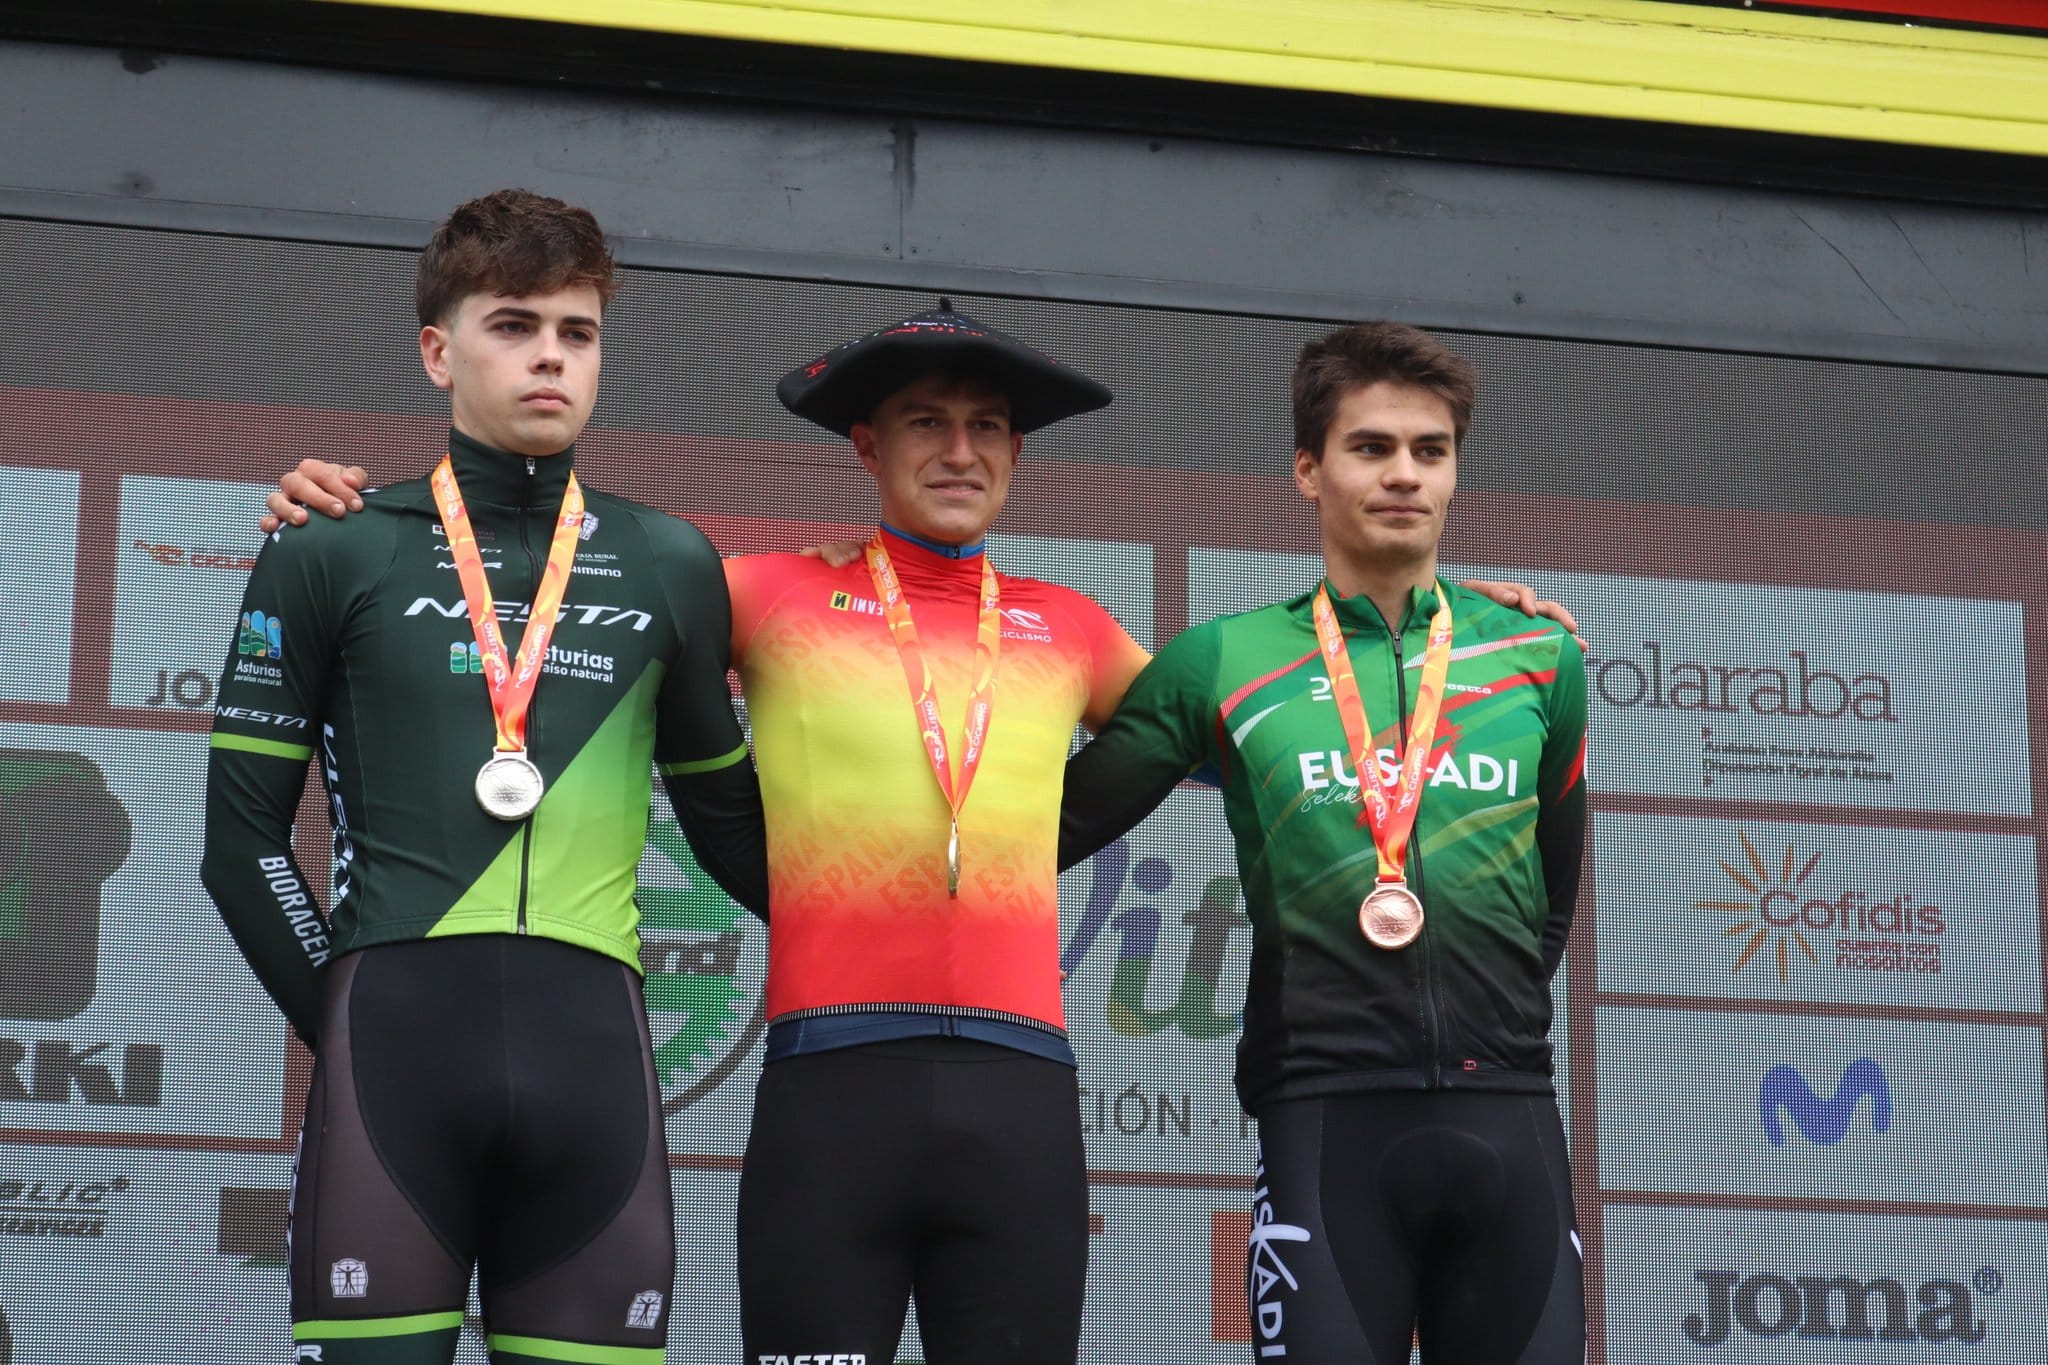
845,385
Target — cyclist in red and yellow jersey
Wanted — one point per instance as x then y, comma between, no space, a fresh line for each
916,1128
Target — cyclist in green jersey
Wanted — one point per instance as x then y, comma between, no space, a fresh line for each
1402,772
483,1091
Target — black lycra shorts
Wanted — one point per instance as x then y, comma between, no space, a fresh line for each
488,1101
1378,1217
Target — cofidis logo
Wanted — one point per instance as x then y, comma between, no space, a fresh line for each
1791,915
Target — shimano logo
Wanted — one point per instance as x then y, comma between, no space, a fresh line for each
818,1358
1823,1122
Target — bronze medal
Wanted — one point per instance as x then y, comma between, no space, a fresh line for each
1391,917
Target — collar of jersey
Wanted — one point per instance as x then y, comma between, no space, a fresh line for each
1359,613
498,478
938,548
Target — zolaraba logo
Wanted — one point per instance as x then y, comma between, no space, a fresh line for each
1803,690
1789,908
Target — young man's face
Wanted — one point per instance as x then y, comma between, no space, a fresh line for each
521,373
942,453
1388,467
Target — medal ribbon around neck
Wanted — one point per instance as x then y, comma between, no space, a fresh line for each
510,684
924,700
1388,810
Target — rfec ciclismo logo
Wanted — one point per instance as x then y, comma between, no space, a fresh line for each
1792,915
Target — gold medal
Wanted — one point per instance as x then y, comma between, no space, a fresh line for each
924,700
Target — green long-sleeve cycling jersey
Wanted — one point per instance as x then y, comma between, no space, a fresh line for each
355,647
1495,855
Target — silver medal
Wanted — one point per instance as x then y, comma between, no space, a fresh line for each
509,787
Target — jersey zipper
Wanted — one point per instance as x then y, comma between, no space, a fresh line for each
1432,1009
526,825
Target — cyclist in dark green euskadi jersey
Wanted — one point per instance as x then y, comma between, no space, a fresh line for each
483,1091
1412,1164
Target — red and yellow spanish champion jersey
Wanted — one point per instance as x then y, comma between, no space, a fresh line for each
858,910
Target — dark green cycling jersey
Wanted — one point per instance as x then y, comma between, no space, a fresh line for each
355,648
1495,855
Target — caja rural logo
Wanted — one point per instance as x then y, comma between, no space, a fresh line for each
1794,917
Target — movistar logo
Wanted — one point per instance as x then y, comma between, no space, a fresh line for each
1823,1122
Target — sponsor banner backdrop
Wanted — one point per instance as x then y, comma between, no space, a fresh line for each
210,1228
1820,1108
124,1007
1156,948
1116,574
1821,913
185,552
1812,792
36,587
1823,1289
1742,691
705,960
1221,582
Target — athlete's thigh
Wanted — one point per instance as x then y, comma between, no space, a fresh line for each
379,1276
832,1167
578,1244
1002,1252
1512,1292
1328,1277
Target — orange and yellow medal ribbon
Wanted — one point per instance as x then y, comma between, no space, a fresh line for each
924,700
510,681
1388,809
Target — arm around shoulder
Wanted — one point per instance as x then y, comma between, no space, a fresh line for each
1162,730
1562,815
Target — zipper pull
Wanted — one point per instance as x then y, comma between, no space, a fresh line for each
529,466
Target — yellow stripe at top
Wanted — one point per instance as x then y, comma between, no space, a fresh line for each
1635,59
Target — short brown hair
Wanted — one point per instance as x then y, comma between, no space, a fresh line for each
1367,353
511,243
